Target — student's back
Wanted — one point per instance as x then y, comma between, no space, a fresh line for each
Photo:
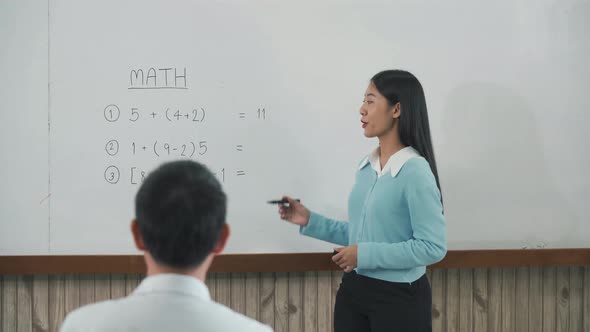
166,302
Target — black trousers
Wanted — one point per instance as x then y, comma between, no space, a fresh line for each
368,304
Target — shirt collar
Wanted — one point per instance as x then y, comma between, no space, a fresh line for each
395,162
173,283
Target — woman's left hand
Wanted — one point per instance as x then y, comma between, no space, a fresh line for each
346,258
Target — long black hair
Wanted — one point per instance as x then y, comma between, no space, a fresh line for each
399,86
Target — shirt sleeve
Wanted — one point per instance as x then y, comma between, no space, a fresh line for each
67,326
326,229
428,244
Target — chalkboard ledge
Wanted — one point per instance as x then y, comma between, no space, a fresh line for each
286,262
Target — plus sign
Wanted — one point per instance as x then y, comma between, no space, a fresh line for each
144,148
186,115
153,115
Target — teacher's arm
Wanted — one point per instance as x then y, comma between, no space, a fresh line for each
325,229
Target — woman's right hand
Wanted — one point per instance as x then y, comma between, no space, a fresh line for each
294,212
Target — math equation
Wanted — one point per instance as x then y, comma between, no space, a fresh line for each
125,155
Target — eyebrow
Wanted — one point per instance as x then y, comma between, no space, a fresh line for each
370,94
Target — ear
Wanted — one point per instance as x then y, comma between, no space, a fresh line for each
397,110
137,238
222,240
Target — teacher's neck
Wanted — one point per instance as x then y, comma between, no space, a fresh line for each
389,144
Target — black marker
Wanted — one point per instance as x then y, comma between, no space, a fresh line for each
281,201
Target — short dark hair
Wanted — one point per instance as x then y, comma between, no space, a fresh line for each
399,86
180,209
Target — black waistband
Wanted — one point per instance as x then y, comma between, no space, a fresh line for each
355,276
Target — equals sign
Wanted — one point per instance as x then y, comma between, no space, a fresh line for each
240,147
242,115
239,173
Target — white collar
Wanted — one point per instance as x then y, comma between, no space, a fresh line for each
395,162
175,284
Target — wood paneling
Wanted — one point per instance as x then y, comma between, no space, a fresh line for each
480,299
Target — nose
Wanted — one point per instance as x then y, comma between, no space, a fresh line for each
362,109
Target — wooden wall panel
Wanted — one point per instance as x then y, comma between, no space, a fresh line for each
466,299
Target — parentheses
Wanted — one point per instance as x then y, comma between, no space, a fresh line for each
167,117
203,118
155,151
194,149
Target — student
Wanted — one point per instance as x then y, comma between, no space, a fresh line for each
396,225
180,226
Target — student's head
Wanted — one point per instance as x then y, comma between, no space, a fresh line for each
395,103
180,215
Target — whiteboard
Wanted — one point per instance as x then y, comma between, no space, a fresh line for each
24,203
266,94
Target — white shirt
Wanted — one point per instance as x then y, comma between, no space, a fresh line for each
395,162
164,302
